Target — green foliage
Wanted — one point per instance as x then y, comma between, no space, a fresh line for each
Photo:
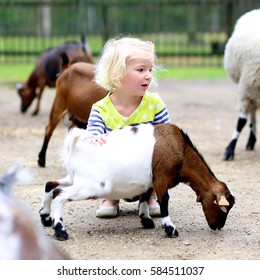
36,44
12,73
193,73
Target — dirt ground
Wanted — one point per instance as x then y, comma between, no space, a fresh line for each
206,110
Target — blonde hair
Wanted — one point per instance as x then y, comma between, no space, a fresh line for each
116,54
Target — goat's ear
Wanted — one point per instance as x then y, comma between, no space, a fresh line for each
199,198
223,208
19,85
19,88
222,202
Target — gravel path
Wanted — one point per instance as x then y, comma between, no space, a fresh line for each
206,110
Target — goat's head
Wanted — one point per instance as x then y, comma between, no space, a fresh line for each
216,205
27,96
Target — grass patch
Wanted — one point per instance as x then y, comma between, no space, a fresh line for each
10,73
193,73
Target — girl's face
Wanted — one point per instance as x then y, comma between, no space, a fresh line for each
138,76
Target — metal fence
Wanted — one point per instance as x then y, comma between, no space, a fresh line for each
185,32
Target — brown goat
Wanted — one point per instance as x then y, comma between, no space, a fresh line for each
76,92
20,239
46,72
143,157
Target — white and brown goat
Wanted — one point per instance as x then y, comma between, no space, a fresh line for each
134,161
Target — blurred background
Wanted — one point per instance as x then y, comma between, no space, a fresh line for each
185,32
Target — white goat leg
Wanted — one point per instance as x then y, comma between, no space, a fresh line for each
63,195
169,227
146,219
47,199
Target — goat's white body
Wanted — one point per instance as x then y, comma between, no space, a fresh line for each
121,168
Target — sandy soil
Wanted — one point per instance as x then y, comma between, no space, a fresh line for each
204,109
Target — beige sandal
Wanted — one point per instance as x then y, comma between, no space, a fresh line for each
108,211
154,209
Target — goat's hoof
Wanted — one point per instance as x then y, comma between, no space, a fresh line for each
171,231
147,223
46,220
250,146
60,233
230,150
229,155
41,162
35,113
251,142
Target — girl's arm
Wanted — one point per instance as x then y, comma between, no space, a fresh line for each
95,125
162,117
96,128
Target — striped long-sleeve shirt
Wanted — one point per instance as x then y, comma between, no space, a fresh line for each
104,117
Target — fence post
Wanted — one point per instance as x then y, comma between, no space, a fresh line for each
105,22
229,17
46,18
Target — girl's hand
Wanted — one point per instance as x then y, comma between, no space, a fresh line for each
99,139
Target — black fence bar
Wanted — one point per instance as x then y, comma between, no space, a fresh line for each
185,32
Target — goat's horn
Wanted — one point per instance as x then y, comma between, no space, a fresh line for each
222,202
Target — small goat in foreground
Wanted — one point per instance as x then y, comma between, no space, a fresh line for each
19,238
133,161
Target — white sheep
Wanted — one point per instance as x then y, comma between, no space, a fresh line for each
242,62
19,237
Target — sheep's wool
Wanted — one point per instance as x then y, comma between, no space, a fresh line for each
242,55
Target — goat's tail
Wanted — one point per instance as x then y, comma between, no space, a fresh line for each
83,42
86,48
69,145
65,62
16,174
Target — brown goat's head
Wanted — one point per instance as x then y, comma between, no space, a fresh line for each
27,96
216,206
